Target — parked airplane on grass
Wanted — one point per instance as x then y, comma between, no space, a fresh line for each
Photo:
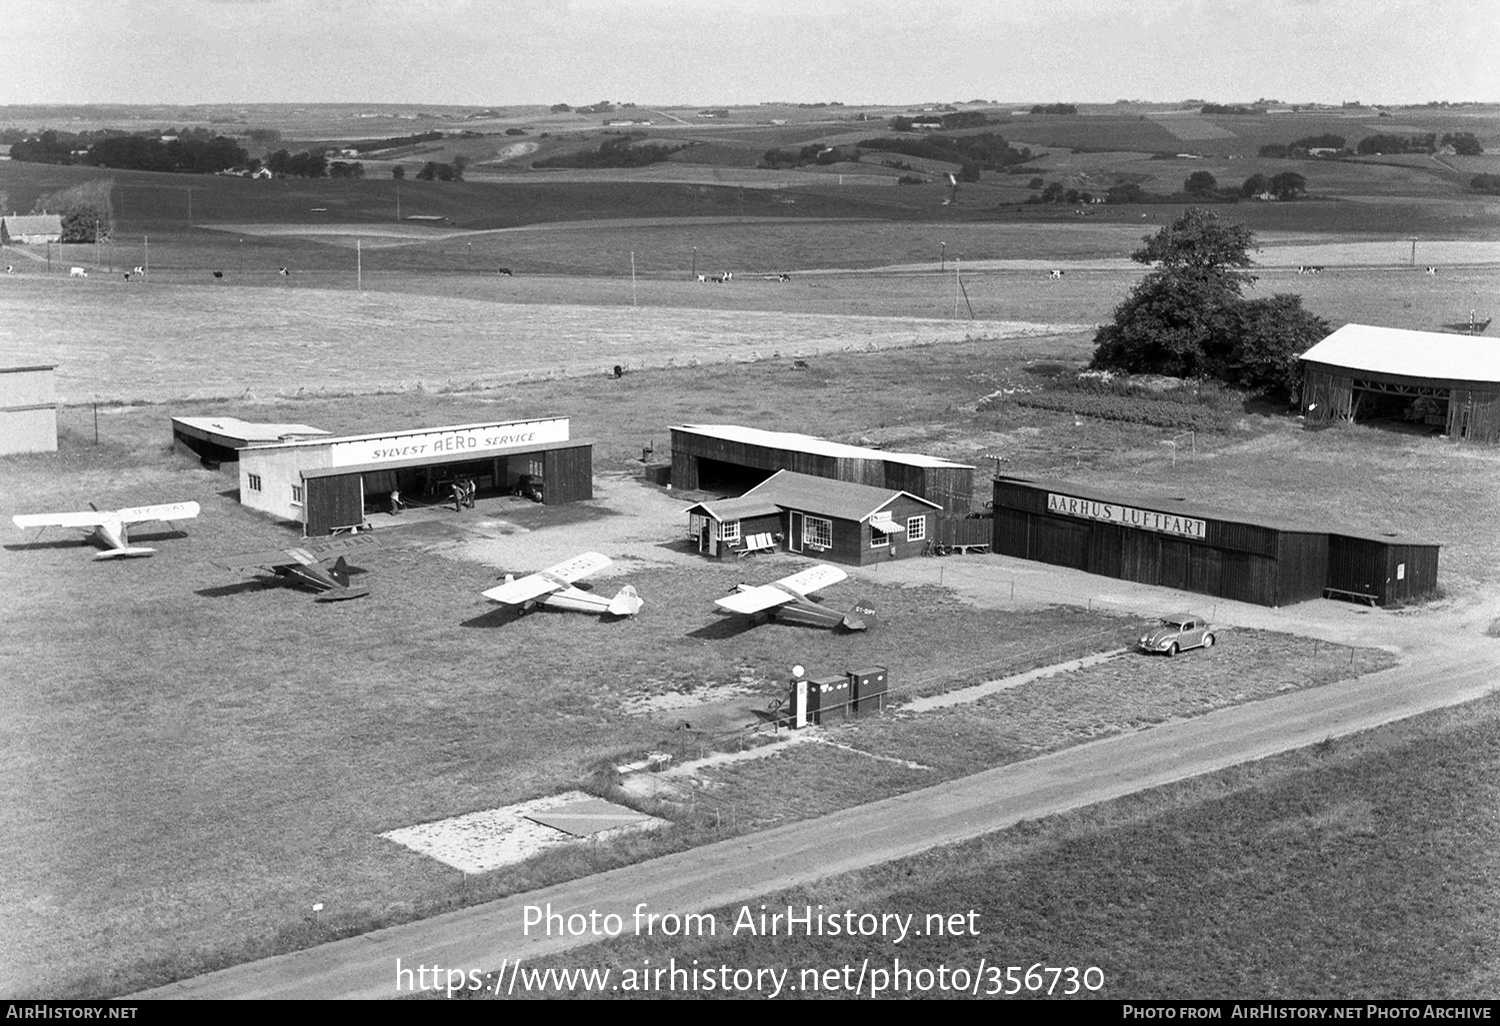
304,565
787,601
110,527
554,587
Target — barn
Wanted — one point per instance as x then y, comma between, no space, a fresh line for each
28,409
30,229
839,521
330,484
1451,383
1267,561
730,458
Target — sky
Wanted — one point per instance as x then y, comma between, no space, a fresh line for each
696,52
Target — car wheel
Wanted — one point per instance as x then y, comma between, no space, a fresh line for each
1171,650
1208,641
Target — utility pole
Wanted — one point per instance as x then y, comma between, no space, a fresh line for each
956,262
242,257
190,204
632,278
943,257
359,266
398,199
695,263
147,265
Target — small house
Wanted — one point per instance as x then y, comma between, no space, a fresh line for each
840,521
30,230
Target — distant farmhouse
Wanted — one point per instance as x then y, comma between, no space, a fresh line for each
30,229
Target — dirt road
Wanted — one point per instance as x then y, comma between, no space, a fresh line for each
737,870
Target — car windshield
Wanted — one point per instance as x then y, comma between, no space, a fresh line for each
1179,624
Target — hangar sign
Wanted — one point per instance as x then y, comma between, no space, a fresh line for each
479,441
1126,516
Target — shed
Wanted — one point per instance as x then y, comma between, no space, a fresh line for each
1382,569
216,440
837,520
1363,373
733,458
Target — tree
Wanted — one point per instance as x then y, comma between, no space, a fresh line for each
1200,183
86,209
398,172
1186,318
1288,185
459,163
1255,185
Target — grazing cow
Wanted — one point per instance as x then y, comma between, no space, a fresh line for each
9,269
1056,275
127,275
1309,268
1432,271
283,272
218,274
77,272
505,271
619,371
799,365
702,278
783,277
139,272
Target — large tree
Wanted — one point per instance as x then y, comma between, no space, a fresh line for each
1187,318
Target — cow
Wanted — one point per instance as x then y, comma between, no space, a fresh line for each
1309,269
77,272
505,271
218,274
127,275
1056,275
283,272
619,371
799,365
9,269
138,271
1432,271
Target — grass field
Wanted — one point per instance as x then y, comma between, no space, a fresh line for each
193,760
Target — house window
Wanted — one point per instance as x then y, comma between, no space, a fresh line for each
879,539
916,528
296,495
729,530
255,482
817,533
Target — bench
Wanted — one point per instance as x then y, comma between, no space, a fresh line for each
1362,596
757,543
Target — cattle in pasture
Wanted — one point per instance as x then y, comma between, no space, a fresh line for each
619,371
283,272
9,269
138,271
783,277
77,272
1309,268
702,278
1431,271
127,275
800,365
218,274
505,271
1056,275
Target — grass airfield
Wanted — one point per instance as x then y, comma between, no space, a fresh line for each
194,760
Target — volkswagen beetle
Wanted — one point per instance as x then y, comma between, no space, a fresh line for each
1173,634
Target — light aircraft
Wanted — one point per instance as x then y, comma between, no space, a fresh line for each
109,527
554,587
304,565
787,601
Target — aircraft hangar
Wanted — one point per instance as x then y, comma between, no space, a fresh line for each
329,484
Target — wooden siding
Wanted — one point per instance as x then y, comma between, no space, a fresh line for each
1326,396
1474,414
332,503
1394,572
1302,561
568,474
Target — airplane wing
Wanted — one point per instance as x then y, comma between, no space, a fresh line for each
753,600
165,511
555,578
86,518
266,560
339,545
808,581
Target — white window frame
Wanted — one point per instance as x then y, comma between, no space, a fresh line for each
817,532
916,528
878,538
297,495
729,531
254,482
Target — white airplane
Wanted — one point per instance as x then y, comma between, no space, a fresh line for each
554,587
109,527
787,601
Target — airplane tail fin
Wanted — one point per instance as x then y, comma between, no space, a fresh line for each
340,572
625,603
861,617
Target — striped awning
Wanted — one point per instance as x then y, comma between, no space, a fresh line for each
883,523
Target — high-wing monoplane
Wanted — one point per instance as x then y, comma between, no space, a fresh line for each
303,564
554,587
110,528
788,601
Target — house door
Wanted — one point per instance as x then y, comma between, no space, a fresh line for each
794,532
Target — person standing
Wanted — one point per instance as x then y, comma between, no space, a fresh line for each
396,504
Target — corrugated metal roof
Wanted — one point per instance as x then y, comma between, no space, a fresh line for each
842,499
248,431
1412,354
809,444
1173,505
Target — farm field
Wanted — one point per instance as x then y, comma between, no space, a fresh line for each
193,760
